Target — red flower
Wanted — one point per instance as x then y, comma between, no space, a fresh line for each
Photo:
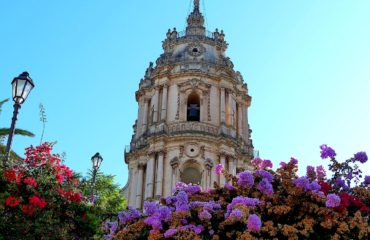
84,216
59,177
76,197
38,202
30,181
12,201
325,187
28,210
11,176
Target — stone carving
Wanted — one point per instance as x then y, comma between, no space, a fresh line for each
194,127
178,106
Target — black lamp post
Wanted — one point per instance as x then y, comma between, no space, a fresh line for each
96,161
22,86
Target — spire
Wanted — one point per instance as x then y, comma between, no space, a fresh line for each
195,21
196,5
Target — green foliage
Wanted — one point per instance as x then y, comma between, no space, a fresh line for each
108,198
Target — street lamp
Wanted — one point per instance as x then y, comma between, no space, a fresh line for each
22,86
96,161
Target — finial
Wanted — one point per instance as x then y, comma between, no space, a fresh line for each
196,4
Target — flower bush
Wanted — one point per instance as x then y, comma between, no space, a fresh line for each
40,199
259,204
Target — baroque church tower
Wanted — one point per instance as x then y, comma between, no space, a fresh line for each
193,114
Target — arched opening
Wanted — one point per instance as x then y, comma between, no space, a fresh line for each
191,175
193,111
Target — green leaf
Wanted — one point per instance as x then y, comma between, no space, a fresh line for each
6,131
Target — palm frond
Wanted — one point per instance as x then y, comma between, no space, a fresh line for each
6,131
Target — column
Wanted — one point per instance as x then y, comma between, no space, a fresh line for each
133,174
144,116
149,177
240,120
174,164
235,163
155,104
230,107
245,124
159,182
140,118
139,189
164,103
223,162
223,115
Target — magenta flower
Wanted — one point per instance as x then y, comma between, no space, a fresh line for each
332,200
361,157
266,164
293,161
254,223
327,152
219,168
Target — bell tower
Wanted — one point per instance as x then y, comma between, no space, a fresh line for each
193,114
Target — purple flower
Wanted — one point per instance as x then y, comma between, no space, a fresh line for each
320,171
293,161
367,179
229,187
219,168
361,157
302,182
236,214
310,172
211,232
266,164
180,186
108,237
327,152
246,179
256,162
128,215
283,164
265,174
170,200
314,186
181,202
154,221
340,182
204,215
170,232
164,213
254,223
249,202
192,189
265,187
150,208
113,227
332,200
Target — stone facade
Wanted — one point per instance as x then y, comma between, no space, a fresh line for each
193,114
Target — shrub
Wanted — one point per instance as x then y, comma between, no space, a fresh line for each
39,199
259,204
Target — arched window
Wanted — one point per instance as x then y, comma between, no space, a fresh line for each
193,111
191,175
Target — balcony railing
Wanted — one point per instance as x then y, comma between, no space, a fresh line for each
207,34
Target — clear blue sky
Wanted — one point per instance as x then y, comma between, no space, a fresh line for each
307,65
